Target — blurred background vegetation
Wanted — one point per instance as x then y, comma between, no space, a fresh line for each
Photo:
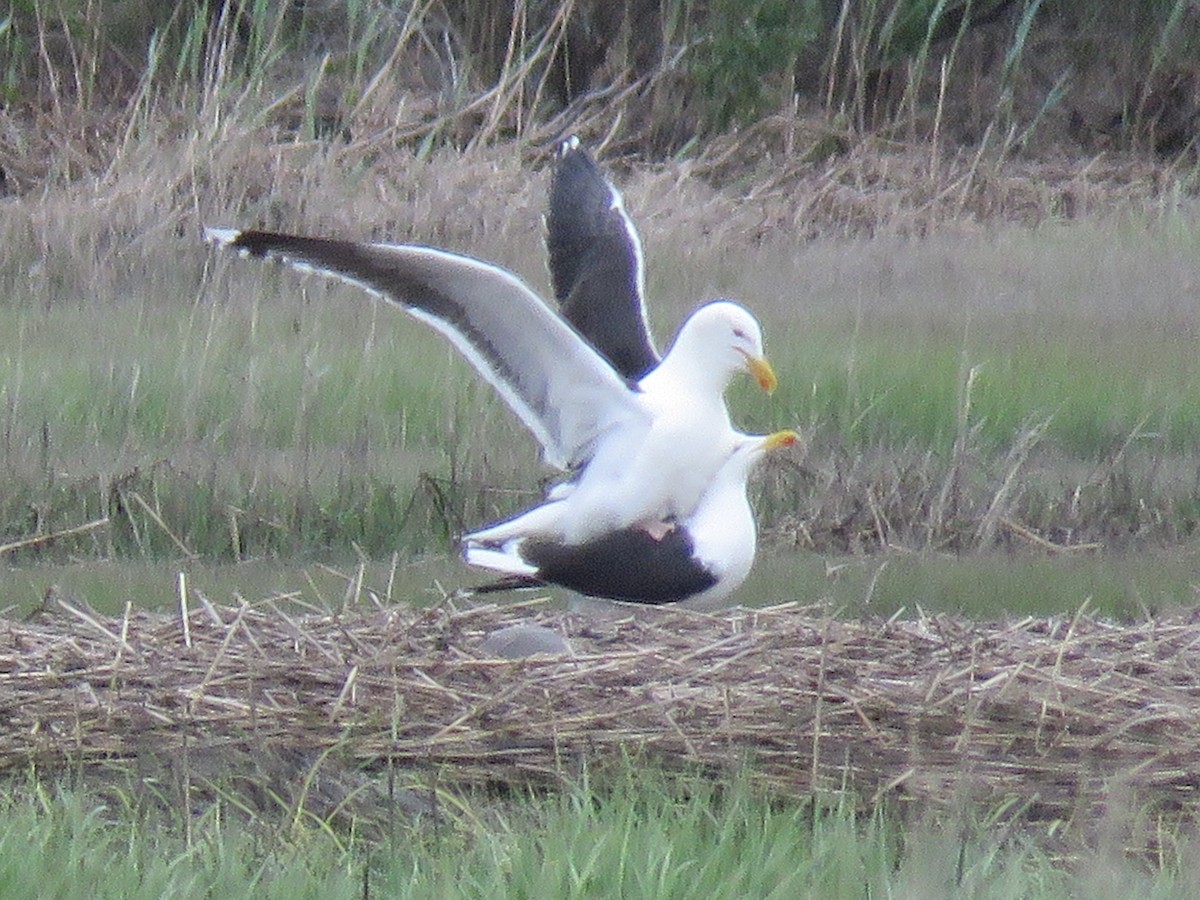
651,77
144,399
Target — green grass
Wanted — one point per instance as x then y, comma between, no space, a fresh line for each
982,587
213,407
1085,325
897,384
644,836
63,845
321,584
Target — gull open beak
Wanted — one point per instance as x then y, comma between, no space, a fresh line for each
762,372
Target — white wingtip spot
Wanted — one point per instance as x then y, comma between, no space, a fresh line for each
569,145
505,561
222,236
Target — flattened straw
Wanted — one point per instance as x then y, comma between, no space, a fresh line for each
683,738
353,595
442,689
862,717
345,692
391,579
731,660
818,696
921,711
245,626
124,634
709,649
296,598
888,786
213,615
299,633
230,630
220,702
1049,546
1006,680
359,646
472,712
159,715
784,607
1066,640
90,620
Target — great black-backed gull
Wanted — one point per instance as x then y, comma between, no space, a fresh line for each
700,560
643,437
639,453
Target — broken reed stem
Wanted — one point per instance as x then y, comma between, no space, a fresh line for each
34,541
158,520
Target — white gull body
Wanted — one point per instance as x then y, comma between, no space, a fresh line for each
700,560
639,453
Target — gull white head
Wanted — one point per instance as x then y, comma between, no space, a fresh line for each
721,338
751,449
722,527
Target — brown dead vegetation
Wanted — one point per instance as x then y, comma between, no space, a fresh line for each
1061,719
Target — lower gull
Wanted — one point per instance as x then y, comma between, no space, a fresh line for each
700,559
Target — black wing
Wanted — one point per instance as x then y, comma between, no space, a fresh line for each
596,263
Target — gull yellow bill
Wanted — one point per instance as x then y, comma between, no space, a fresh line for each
762,372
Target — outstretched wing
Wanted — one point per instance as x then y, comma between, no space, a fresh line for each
555,382
596,263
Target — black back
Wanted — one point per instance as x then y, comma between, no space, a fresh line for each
625,565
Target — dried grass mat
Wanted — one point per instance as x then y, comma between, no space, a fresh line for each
1062,715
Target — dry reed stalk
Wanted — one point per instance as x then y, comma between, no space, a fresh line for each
39,539
1050,713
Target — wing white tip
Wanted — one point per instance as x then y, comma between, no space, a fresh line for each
222,236
497,560
570,144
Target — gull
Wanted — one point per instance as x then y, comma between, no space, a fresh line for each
699,561
639,452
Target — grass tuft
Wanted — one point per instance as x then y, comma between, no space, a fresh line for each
649,836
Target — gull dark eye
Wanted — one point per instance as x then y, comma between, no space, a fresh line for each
738,333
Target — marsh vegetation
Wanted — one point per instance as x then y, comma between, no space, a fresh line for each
972,242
